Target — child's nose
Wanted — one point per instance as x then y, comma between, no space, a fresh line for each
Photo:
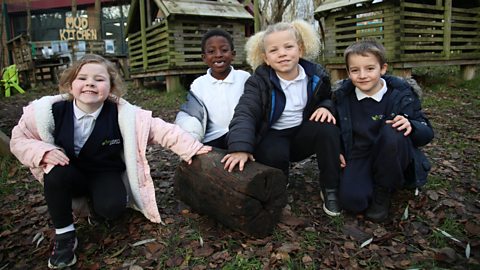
90,82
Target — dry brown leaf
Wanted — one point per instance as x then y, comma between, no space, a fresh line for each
292,220
446,254
472,228
388,262
289,247
204,251
153,247
349,245
307,259
174,261
432,194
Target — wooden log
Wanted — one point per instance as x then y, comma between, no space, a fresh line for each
250,201
4,145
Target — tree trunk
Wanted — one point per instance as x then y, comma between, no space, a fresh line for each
29,19
74,8
250,201
98,19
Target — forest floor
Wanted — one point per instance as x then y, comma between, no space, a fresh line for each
439,228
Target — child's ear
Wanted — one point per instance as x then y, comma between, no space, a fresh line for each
203,57
384,69
234,52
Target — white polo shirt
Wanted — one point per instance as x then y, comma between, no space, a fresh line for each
220,98
83,124
296,100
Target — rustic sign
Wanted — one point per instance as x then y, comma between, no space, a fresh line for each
77,29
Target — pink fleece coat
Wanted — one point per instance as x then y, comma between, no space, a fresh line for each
32,137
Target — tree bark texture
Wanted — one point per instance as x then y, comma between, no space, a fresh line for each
250,201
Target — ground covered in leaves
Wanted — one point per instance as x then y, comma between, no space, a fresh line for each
437,228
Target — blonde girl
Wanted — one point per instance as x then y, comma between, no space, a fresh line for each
285,113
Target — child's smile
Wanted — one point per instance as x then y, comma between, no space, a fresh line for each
282,53
218,55
365,72
91,87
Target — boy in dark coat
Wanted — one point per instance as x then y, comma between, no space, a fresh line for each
382,125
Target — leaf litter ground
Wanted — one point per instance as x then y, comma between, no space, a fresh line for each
438,228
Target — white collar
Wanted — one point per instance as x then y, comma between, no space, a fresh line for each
228,79
301,75
79,113
377,96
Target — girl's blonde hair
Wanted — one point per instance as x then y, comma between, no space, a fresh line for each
117,86
307,38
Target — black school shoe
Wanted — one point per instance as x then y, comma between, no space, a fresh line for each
331,204
63,253
378,209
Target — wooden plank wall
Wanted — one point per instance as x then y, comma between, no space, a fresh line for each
344,28
176,45
409,30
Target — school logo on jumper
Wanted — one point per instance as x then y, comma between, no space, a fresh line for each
111,142
377,117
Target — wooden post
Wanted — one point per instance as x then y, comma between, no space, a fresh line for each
338,74
447,28
250,201
402,72
138,83
143,34
74,8
468,71
173,83
256,16
97,17
29,19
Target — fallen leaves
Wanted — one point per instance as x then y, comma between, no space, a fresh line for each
305,238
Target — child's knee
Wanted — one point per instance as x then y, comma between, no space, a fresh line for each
110,210
57,176
391,139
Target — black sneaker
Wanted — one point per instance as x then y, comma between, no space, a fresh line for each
331,205
63,253
378,209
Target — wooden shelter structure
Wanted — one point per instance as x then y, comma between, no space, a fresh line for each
34,67
164,36
415,33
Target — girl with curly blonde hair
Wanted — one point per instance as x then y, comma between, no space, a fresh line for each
285,113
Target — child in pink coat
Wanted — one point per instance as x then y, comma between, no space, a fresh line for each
91,142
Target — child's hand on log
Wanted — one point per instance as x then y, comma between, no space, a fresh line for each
203,150
231,160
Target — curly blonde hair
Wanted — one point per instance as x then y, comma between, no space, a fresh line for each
307,38
117,85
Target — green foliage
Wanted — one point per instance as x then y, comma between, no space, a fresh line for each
437,182
452,227
151,98
337,222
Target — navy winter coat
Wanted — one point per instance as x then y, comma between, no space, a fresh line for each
403,101
263,102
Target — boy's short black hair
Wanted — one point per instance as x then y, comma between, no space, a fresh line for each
217,32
